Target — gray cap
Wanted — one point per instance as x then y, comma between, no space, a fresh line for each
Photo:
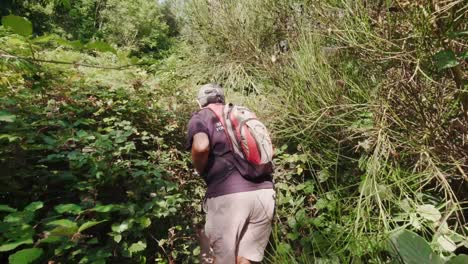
210,93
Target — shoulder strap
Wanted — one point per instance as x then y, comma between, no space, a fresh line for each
219,110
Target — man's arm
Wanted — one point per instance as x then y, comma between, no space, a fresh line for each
200,151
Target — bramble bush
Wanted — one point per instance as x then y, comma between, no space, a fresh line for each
91,161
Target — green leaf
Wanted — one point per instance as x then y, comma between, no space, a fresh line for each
25,256
106,208
137,247
464,55
413,249
89,224
445,59
10,138
196,251
12,245
64,231
452,34
68,208
34,206
144,222
460,259
119,228
429,212
63,222
7,117
6,208
117,238
22,216
446,243
52,239
19,25
100,46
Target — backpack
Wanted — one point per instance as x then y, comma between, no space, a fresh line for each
249,140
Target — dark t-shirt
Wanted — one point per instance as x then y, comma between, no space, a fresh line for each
220,174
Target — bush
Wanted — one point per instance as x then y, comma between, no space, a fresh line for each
91,160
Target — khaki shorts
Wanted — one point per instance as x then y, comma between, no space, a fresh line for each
239,224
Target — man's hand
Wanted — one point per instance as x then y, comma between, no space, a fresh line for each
200,151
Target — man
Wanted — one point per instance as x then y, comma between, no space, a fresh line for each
239,212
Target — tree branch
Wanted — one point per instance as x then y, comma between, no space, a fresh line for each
76,64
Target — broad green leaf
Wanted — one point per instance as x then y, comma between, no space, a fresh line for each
6,208
68,208
34,206
460,259
64,231
137,247
7,117
119,228
106,208
445,59
64,223
413,249
117,238
25,256
89,224
100,46
12,245
429,212
21,216
10,138
19,25
144,222
196,251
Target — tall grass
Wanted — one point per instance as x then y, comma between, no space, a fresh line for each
358,97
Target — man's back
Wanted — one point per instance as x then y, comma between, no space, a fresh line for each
220,173
239,212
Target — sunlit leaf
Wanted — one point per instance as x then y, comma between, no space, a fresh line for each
89,224
119,228
446,243
63,222
100,46
19,25
117,238
6,208
429,212
137,247
34,206
12,245
25,256
106,208
7,117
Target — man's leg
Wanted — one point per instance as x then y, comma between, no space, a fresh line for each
258,229
225,220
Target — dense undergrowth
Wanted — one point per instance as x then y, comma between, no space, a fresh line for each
366,101
371,95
